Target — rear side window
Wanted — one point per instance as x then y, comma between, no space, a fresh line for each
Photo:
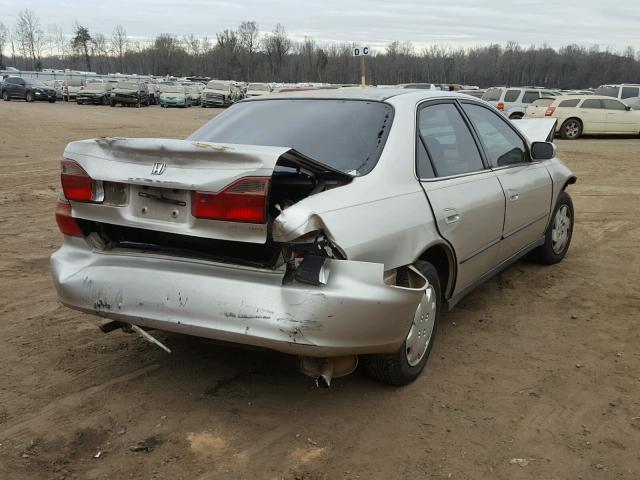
529,97
614,105
492,95
543,102
591,103
501,144
607,91
569,103
447,141
630,92
511,95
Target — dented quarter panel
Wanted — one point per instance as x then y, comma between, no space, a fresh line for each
380,217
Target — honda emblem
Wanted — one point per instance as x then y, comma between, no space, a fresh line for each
158,168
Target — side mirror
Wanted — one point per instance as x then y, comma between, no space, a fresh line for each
543,150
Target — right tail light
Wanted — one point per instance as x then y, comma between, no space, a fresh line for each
549,111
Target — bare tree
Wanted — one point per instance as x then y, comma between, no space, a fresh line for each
60,45
30,35
4,36
277,46
249,36
119,44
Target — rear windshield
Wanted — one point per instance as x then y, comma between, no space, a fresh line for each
607,91
492,95
128,85
217,86
347,135
543,102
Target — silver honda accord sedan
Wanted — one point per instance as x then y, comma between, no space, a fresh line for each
333,225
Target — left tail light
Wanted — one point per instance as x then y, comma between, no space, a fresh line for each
77,185
242,201
549,111
500,106
66,223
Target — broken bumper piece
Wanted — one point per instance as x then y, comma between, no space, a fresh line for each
354,313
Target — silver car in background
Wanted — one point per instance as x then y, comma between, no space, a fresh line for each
332,225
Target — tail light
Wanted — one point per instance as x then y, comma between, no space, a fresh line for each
66,223
78,185
549,111
242,201
501,106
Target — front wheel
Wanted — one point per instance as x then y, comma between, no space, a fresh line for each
559,232
571,129
5,96
29,97
405,365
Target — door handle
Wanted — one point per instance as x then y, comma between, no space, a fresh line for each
513,195
451,215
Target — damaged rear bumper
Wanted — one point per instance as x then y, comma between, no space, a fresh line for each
354,313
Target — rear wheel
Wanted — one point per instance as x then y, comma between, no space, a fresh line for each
559,232
516,116
571,129
405,365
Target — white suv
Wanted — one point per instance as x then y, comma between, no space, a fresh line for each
629,93
513,101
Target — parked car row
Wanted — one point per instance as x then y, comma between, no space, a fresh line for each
587,114
216,93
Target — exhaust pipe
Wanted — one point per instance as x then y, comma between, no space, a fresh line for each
324,370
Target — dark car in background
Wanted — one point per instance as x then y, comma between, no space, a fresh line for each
130,93
28,89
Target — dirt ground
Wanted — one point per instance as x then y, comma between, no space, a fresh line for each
536,375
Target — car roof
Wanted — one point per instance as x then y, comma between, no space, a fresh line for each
356,93
585,97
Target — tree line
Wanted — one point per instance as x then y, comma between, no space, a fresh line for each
247,54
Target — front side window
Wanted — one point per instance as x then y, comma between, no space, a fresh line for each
447,141
591,103
529,97
613,105
502,145
630,92
569,103
348,135
511,95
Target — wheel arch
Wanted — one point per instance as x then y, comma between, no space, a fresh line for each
443,258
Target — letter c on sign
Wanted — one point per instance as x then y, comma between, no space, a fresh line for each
365,51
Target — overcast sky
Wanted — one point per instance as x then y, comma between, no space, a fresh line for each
375,22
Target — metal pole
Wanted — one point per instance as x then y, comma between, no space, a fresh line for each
362,76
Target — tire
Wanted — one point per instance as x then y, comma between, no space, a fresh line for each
29,97
557,238
52,101
5,96
397,368
105,100
516,116
112,103
138,103
571,129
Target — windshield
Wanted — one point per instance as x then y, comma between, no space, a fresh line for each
96,86
35,83
607,91
128,85
171,89
217,86
348,135
258,86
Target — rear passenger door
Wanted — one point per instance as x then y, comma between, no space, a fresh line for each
526,184
592,115
465,196
618,118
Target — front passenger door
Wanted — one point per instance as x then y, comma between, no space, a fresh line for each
465,196
526,184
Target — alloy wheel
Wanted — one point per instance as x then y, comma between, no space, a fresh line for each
419,336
